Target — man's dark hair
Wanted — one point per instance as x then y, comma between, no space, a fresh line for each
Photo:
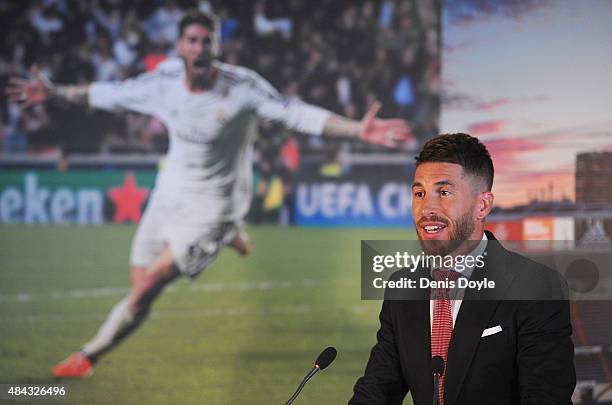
195,16
462,149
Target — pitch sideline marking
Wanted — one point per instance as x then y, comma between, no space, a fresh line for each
272,311
210,287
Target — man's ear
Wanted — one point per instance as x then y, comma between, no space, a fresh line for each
485,204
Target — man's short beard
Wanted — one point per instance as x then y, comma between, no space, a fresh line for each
462,230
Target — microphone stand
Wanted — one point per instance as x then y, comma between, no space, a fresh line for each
310,374
436,387
437,365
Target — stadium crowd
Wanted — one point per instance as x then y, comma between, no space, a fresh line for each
338,55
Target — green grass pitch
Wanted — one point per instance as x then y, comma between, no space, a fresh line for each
244,332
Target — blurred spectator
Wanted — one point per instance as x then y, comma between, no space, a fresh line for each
154,56
107,68
12,140
76,66
109,20
34,123
343,88
46,21
205,6
265,26
125,48
386,14
290,154
162,25
229,25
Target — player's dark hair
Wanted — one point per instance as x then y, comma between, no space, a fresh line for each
461,149
195,16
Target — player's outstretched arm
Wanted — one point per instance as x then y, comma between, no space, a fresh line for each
386,132
38,89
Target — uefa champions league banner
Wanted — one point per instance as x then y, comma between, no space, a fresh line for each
370,202
73,197
118,196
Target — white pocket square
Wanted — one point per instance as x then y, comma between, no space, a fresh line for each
491,331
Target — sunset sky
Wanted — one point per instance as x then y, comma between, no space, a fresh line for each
534,82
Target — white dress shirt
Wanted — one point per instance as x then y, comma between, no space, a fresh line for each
457,293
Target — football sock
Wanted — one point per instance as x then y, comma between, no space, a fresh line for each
118,320
121,321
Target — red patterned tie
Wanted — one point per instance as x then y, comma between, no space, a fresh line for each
442,327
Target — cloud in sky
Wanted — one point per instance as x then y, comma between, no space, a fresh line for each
474,11
505,152
463,101
486,127
459,47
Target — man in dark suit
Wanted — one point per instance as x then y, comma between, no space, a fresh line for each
510,344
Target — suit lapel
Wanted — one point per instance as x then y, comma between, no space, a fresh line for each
476,310
418,349
472,319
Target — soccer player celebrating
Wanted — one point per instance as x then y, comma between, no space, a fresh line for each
203,192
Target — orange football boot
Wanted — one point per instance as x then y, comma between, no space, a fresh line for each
75,366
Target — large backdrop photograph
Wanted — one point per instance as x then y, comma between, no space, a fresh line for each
185,185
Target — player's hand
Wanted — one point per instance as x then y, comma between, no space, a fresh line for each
25,93
386,132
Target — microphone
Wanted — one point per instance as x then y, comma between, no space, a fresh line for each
437,366
326,357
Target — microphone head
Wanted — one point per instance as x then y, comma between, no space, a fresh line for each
437,365
326,357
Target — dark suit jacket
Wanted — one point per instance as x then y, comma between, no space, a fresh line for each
529,362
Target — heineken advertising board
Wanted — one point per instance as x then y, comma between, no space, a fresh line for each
73,197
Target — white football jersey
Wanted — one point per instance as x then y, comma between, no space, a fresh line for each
210,155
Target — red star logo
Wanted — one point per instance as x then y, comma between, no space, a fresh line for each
128,199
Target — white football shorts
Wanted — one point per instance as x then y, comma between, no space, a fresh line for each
193,245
